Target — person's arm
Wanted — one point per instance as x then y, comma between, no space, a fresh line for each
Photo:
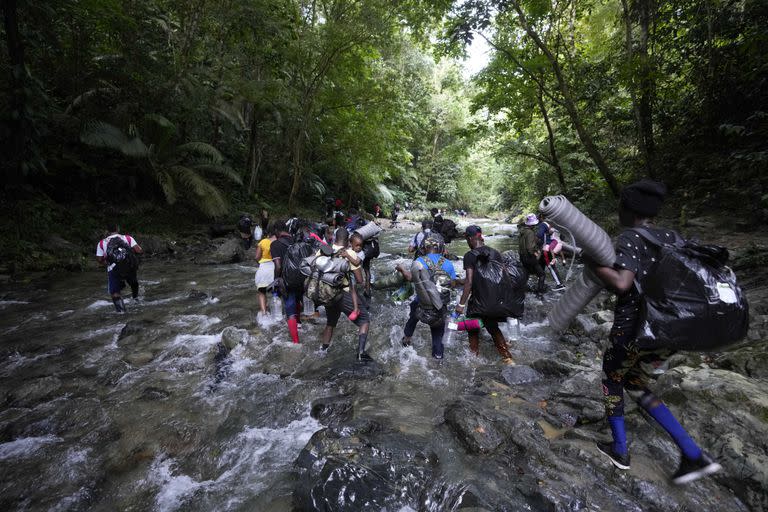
257,255
618,281
353,293
406,273
137,249
461,307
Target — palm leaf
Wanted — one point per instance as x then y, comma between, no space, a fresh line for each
166,184
207,198
223,170
159,131
104,135
201,150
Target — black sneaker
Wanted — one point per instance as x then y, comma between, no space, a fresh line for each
363,356
691,470
404,342
618,460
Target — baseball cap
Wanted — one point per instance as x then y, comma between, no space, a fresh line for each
472,230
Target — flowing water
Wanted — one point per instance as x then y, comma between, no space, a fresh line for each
104,411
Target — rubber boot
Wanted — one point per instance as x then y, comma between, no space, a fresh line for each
119,304
293,328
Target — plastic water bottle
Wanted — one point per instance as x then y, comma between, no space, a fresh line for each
513,328
308,306
450,331
276,305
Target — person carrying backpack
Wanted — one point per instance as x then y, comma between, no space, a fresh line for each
119,254
530,250
433,275
287,255
626,364
348,302
472,287
416,246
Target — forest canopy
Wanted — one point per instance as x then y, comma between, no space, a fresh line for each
212,107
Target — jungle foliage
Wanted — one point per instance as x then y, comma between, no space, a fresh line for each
208,107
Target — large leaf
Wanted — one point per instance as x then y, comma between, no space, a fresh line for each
223,170
166,184
158,131
104,135
207,198
201,150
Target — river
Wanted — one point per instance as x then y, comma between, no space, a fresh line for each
149,419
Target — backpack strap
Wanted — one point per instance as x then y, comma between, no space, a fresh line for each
654,240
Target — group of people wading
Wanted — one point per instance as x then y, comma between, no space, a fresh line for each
307,265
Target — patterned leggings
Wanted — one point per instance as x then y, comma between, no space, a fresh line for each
625,366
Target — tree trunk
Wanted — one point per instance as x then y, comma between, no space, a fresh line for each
297,164
551,140
19,127
647,87
569,103
254,154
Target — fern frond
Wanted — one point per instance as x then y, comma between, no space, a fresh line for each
104,135
166,184
201,150
159,131
222,170
207,198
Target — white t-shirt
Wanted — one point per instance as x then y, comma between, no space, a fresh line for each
101,248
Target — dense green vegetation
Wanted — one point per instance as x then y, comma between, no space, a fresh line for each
167,112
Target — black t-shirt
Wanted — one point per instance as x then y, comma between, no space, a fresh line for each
470,260
279,247
635,254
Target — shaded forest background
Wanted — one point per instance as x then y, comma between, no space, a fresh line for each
165,113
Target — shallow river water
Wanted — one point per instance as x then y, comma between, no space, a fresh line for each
135,412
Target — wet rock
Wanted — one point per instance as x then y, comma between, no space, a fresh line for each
155,245
554,368
196,294
354,473
586,324
135,327
153,393
749,361
479,431
232,337
332,410
727,413
603,316
520,374
223,251
139,358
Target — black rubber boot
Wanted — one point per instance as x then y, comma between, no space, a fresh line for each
119,304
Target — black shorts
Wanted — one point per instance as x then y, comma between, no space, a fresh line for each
344,305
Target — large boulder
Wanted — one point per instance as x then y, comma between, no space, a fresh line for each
222,251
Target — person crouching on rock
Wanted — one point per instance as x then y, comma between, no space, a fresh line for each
119,254
625,366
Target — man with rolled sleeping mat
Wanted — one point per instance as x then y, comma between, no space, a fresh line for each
625,365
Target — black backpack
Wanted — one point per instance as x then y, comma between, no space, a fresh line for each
498,285
691,300
119,252
291,263
371,248
245,224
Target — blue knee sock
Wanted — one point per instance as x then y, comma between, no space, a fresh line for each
666,419
619,434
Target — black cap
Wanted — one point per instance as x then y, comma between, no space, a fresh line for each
472,230
644,197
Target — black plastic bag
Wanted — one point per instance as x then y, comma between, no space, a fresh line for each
498,287
691,300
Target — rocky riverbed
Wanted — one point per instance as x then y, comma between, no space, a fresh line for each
186,403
